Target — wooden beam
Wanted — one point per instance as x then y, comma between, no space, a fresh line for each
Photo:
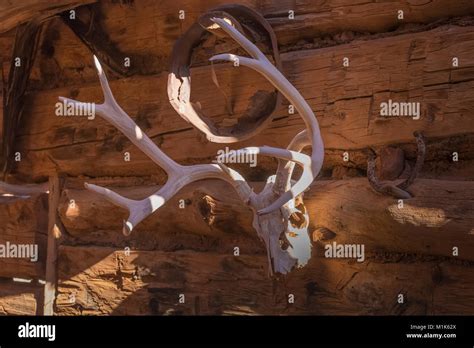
105,281
24,222
92,33
22,60
317,23
2,96
346,102
52,249
439,217
17,298
349,19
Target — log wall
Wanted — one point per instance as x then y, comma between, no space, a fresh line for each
182,251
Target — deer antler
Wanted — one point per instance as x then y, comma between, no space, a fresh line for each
260,63
178,175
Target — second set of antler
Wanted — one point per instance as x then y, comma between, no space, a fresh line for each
273,207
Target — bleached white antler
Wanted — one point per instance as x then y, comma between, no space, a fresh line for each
178,175
259,62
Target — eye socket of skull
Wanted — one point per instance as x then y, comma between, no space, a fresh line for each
299,204
298,220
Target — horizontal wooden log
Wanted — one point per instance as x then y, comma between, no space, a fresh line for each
413,67
24,222
315,24
102,281
18,298
21,216
183,223
311,18
2,83
439,217
449,273
24,267
315,19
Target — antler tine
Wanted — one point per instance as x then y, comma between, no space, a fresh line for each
111,111
138,209
261,64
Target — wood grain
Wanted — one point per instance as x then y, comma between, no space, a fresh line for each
439,217
150,282
413,67
24,222
18,298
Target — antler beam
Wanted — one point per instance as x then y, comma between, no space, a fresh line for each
261,64
178,175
